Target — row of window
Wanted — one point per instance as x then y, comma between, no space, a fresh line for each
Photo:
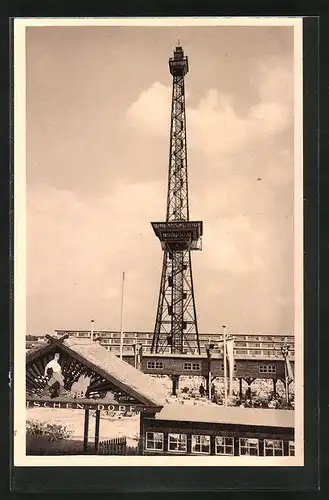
203,337
147,346
190,366
224,445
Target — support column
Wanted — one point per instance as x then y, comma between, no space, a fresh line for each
97,424
208,379
175,384
285,448
212,445
236,446
240,388
249,382
189,444
261,447
274,386
141,434
86,431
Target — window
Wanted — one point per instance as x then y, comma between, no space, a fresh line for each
177,442
273,448
224,445
201,444
267,369
252,337
241,351
83,334
268,352
154,364
248,446
291,449
192,366
222,367
154,441
253,344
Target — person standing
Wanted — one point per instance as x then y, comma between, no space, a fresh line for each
54,370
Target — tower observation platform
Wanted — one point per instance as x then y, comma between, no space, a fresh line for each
175,236
176,328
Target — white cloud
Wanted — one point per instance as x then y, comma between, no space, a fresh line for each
78,249
151,111
214,125
233,245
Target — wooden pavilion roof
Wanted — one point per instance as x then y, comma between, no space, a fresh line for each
105,369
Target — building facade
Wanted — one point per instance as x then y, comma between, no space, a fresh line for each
245,345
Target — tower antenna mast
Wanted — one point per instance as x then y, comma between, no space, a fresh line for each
176,328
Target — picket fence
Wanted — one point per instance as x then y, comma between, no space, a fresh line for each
116,446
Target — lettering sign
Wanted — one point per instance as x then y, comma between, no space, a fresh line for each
88,405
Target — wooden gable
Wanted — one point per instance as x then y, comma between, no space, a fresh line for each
86,385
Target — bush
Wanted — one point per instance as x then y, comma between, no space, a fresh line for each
52,431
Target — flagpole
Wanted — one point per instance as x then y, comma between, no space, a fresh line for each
225,367
285,355
135,351
92,331
121,316
209,371
286,381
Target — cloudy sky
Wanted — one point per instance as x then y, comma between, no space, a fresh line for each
98,115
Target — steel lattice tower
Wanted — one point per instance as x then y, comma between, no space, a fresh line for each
176,328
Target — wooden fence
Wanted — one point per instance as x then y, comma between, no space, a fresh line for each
116,446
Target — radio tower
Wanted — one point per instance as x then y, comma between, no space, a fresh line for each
176,328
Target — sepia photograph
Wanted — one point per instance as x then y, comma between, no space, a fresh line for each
158,242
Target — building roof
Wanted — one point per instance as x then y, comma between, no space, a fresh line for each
227,415
121,371
109,366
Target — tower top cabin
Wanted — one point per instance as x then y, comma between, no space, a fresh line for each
178,64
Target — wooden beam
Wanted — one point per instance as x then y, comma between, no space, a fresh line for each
32,355
97,424
86,431
60,339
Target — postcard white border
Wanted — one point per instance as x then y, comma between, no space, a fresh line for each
19,413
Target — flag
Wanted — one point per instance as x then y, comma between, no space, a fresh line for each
230,356
139,356
285,354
